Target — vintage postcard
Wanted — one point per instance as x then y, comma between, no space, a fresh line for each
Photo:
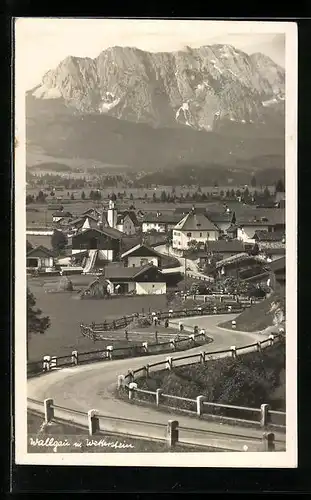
155,238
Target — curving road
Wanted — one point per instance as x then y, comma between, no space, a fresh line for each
92,386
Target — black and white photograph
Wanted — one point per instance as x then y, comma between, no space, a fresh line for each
155,176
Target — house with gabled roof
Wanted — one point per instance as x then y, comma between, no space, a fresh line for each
143,280
141,255
160,222
106,240
127,222
194,226
60,215
40,258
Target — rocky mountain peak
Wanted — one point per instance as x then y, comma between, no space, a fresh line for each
194,87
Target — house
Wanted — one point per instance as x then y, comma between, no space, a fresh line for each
157,221
40,258
106,240
272,245
61,214
140,255
83,223
93,212
127,222
143,280
194,226
241,266
273,221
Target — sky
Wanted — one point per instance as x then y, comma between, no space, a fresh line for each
42,43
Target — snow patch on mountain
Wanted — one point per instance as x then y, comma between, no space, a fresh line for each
44,92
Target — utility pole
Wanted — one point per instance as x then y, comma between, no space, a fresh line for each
185,272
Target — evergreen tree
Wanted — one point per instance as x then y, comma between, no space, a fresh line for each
280,188
58,241
253,181
163,197
154,198
72,197
35,322
83,195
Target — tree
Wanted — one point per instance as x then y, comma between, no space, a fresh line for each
154,197
41,197
131,196
58,241
163,196
255,249
253,181
238,193
72,197
146,196
232,193
113,197
29,199
233,220
227,193
266,192
35,322
280,188
83,195
222,194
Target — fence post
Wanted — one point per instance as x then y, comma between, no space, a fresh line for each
233,351
146,368
200,400
191,338
202,357
172,433
271,338
130,376
233,324
121,381
259,348
109,350
53,362
215,310
46,363
74,357
196,329
158,396
268,441
156,336
173,343
229,309
132,387
264,415
181,327
169,363
93,421
170,313
48,410
145,346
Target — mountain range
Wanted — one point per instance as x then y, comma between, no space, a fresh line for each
144,109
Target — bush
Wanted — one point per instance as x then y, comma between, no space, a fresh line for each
248,380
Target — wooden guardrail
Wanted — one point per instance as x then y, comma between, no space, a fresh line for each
171,433
256,416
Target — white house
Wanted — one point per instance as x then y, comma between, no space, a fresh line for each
40,258
162,223
140,255
194,226
145,280
127,222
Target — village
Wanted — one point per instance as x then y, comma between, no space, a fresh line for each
151,251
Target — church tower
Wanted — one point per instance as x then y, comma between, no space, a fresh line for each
112,214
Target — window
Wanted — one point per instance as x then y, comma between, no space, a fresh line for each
200,235
189,235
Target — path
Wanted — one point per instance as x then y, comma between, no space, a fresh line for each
92,386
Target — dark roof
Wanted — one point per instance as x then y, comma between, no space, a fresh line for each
220,216
147,250
130,273
41,248
131,214
61,213
186,209
196,222
171,218
225,246
108,231
267,236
